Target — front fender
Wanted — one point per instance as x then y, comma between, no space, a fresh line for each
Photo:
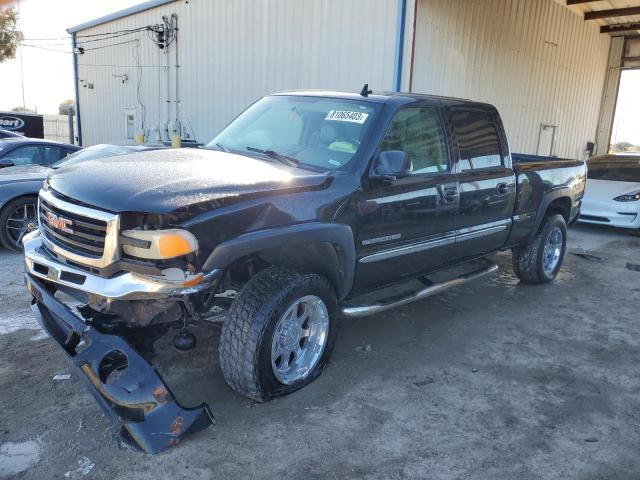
339,236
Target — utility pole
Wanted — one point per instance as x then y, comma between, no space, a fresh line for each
24,103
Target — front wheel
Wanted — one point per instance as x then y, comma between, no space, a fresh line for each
17,218
279,333
539,261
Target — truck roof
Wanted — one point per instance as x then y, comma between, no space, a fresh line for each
379,97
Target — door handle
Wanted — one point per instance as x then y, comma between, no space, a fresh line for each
449,194
502,188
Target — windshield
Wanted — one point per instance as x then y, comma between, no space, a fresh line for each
623,169
319,132
93,153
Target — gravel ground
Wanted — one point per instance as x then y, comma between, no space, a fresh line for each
492,380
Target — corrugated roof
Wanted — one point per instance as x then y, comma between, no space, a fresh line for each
585,7
119,14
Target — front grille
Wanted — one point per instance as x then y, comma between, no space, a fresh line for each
87,235
80,234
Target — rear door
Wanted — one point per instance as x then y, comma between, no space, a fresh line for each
408,225
486,180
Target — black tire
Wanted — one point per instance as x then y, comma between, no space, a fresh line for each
528,260
245,342
6,225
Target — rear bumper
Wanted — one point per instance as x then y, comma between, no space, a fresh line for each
137,400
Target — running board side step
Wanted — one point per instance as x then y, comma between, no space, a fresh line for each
432,289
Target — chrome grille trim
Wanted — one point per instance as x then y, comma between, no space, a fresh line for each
102,257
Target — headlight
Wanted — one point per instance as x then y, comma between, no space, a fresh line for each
158,244
628,197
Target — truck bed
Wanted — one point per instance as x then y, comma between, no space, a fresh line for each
540,181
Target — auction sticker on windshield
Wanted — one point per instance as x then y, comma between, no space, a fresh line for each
346,116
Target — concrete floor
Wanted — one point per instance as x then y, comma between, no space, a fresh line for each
493,380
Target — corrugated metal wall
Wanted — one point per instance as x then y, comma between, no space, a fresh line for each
534,59
231,53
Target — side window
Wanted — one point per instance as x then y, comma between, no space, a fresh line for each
52,154
25,155
418,132
478,141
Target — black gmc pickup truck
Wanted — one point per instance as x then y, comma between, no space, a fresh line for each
303,203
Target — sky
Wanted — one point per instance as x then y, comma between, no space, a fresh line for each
48,75
626,126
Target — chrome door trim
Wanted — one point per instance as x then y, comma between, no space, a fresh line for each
482,230
449,238
408,249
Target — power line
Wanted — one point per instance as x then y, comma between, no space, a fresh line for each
69,37
119,66
110,45
103,39
45,48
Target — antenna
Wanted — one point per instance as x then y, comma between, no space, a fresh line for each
365,90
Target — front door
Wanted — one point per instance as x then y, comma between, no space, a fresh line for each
487,182
408,226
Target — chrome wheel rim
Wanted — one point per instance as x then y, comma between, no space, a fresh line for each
299,339
21,221
552,251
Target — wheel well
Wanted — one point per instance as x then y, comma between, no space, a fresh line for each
19,197
319,257
560,206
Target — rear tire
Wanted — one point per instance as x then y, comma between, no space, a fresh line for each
539,261
17,218
262,351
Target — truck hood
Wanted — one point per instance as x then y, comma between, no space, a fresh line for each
162,181
23,173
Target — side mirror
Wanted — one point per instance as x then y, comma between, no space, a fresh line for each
6,163
391,165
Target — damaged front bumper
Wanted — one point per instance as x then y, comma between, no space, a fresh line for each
127,388
125,286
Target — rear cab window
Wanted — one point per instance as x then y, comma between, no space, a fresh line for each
478,139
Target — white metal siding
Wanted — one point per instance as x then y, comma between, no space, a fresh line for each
535,60
231,53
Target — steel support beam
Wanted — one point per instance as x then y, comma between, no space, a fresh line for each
612,13
620,27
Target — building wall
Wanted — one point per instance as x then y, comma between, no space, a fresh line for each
534,59
232,52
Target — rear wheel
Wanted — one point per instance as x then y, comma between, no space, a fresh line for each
17,218
279,333
539,261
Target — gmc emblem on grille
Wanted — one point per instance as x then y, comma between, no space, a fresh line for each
59,223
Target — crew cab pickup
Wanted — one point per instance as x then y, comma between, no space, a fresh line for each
303,203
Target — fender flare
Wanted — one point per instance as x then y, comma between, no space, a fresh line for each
548,198
339,236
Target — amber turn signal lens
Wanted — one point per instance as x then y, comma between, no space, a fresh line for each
173,246
193,281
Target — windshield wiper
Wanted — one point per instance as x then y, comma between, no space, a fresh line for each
276,156
222,147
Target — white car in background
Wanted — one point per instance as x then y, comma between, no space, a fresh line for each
612,196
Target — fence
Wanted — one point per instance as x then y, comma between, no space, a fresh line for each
56,127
